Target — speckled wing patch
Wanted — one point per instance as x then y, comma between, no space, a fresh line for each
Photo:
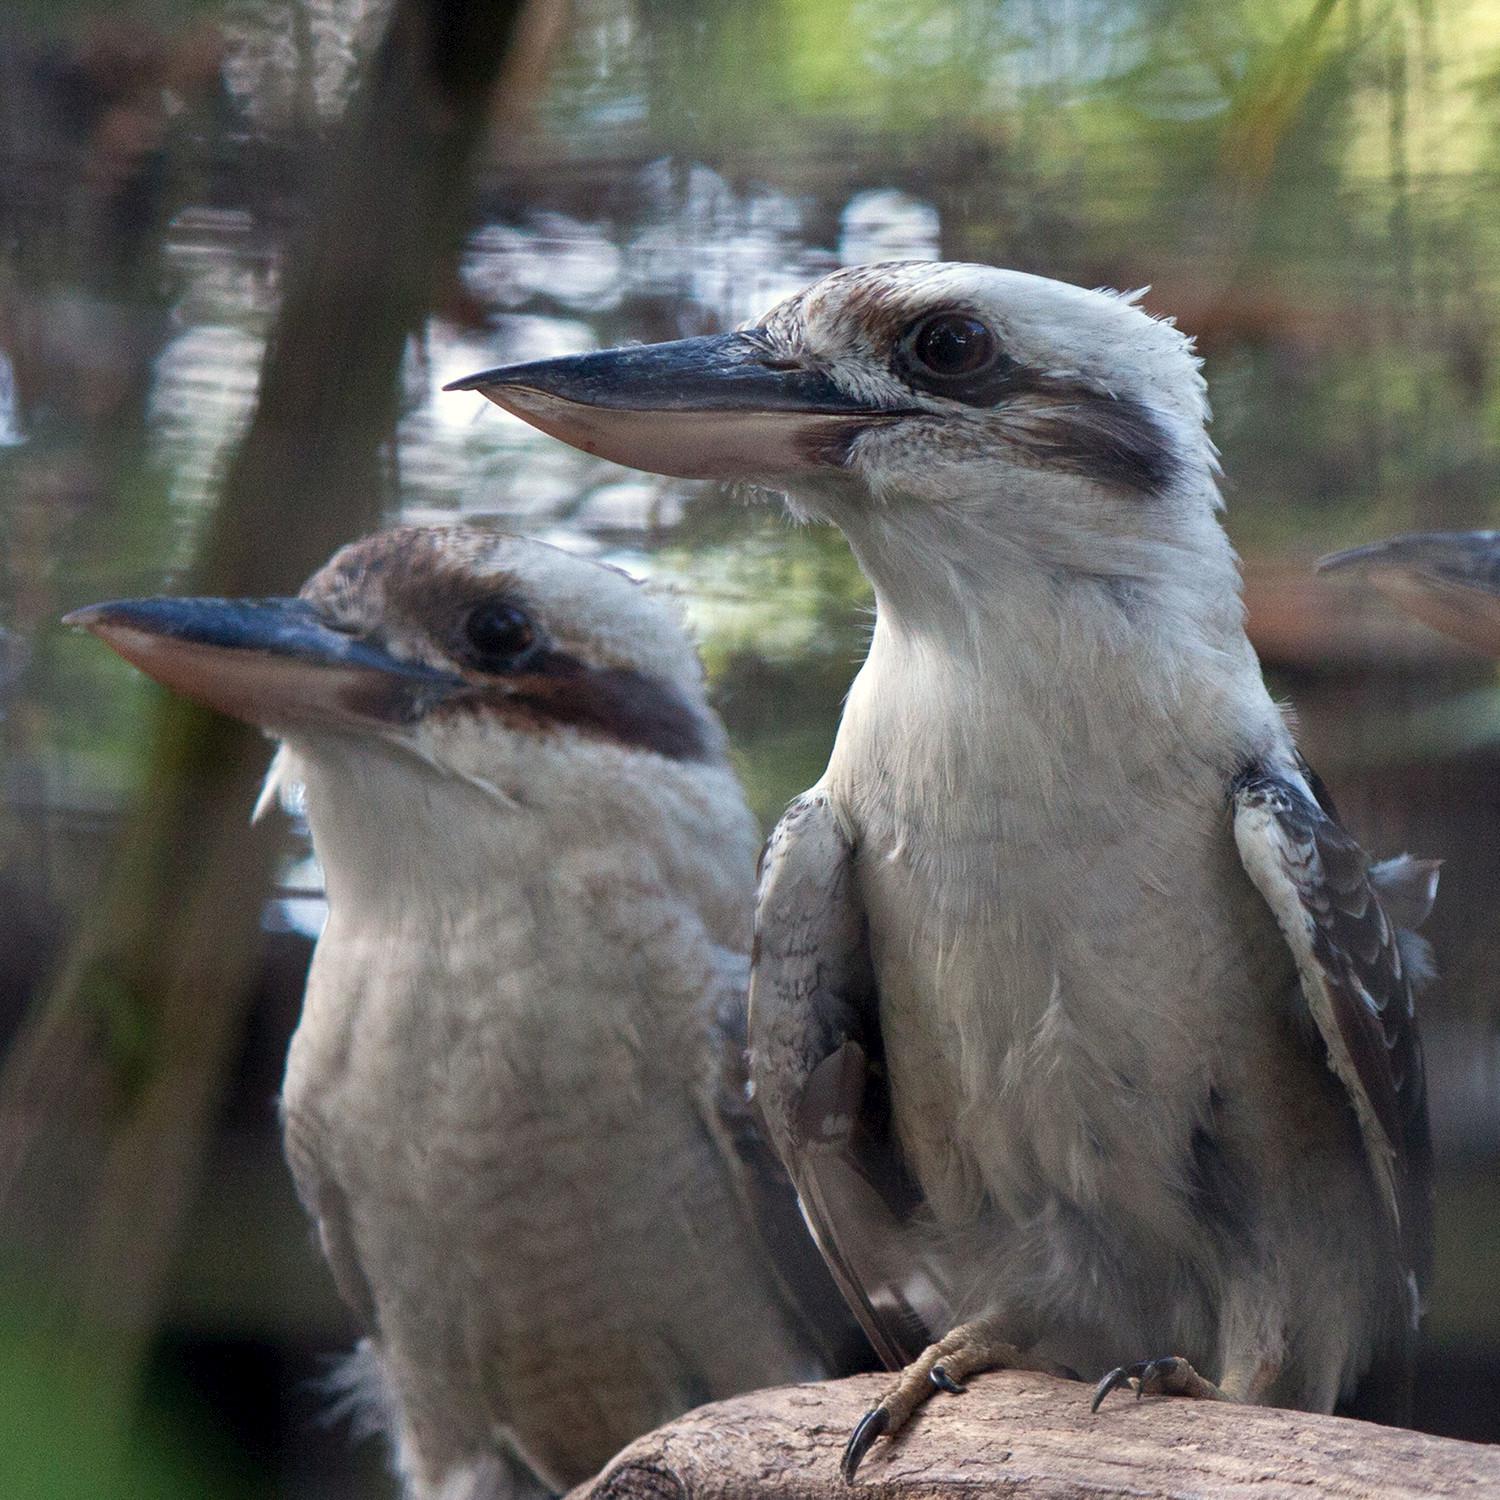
1359,975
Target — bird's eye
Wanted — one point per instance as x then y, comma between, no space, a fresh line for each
498,634
951,345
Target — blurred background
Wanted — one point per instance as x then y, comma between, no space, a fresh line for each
242,245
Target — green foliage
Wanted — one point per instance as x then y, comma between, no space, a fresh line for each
57,1443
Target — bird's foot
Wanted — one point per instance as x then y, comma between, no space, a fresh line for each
1170,1376
943,1366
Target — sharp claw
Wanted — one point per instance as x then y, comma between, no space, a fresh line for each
1117,1377
872,1425
944,1381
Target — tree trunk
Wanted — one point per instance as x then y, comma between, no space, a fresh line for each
1016,1434
107,1095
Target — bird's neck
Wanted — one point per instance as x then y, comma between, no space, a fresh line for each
1000,679
407,844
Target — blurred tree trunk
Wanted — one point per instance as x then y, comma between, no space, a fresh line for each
108,1093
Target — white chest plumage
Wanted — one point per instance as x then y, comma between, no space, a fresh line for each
1024,1039
1060,931
499,1107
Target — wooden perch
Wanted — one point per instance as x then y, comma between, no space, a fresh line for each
1015,1434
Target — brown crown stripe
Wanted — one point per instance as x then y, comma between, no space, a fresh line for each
422,581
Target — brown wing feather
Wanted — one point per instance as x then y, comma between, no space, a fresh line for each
805,1281
817,1067
1360,975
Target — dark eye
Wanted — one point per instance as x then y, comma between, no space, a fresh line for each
952,345
498,634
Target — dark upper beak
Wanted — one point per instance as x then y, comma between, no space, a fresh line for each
271,662
724,407
1449,580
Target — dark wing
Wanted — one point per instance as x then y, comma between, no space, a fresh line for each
819,1081
805,1282
1360,974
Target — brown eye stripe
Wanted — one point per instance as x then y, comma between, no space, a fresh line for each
1070,425
630,708
1117,441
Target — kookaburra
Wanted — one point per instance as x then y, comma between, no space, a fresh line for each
515,1103
1084,1029
1449,580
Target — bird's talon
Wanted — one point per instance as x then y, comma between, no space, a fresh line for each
1121,1375
945,1382
875,1423
1170,1375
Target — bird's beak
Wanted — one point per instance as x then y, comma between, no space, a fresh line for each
723,407
271,662
1448,580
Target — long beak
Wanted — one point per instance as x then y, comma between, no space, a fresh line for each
1449,580
723,407
271,662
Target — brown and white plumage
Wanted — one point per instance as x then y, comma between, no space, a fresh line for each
1109,950
515,1105
825,1092
822,1085
1359,975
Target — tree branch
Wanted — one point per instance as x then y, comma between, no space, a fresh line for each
1032,1435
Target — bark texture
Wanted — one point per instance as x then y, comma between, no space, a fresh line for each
1018,1434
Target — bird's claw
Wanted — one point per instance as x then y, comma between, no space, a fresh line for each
943,1366
875,1423
1170,1375
1120,1375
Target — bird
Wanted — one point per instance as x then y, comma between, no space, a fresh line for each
515,1103
1086,1031
1449,580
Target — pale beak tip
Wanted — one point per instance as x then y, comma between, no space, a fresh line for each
473,382
1334,561
89,617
